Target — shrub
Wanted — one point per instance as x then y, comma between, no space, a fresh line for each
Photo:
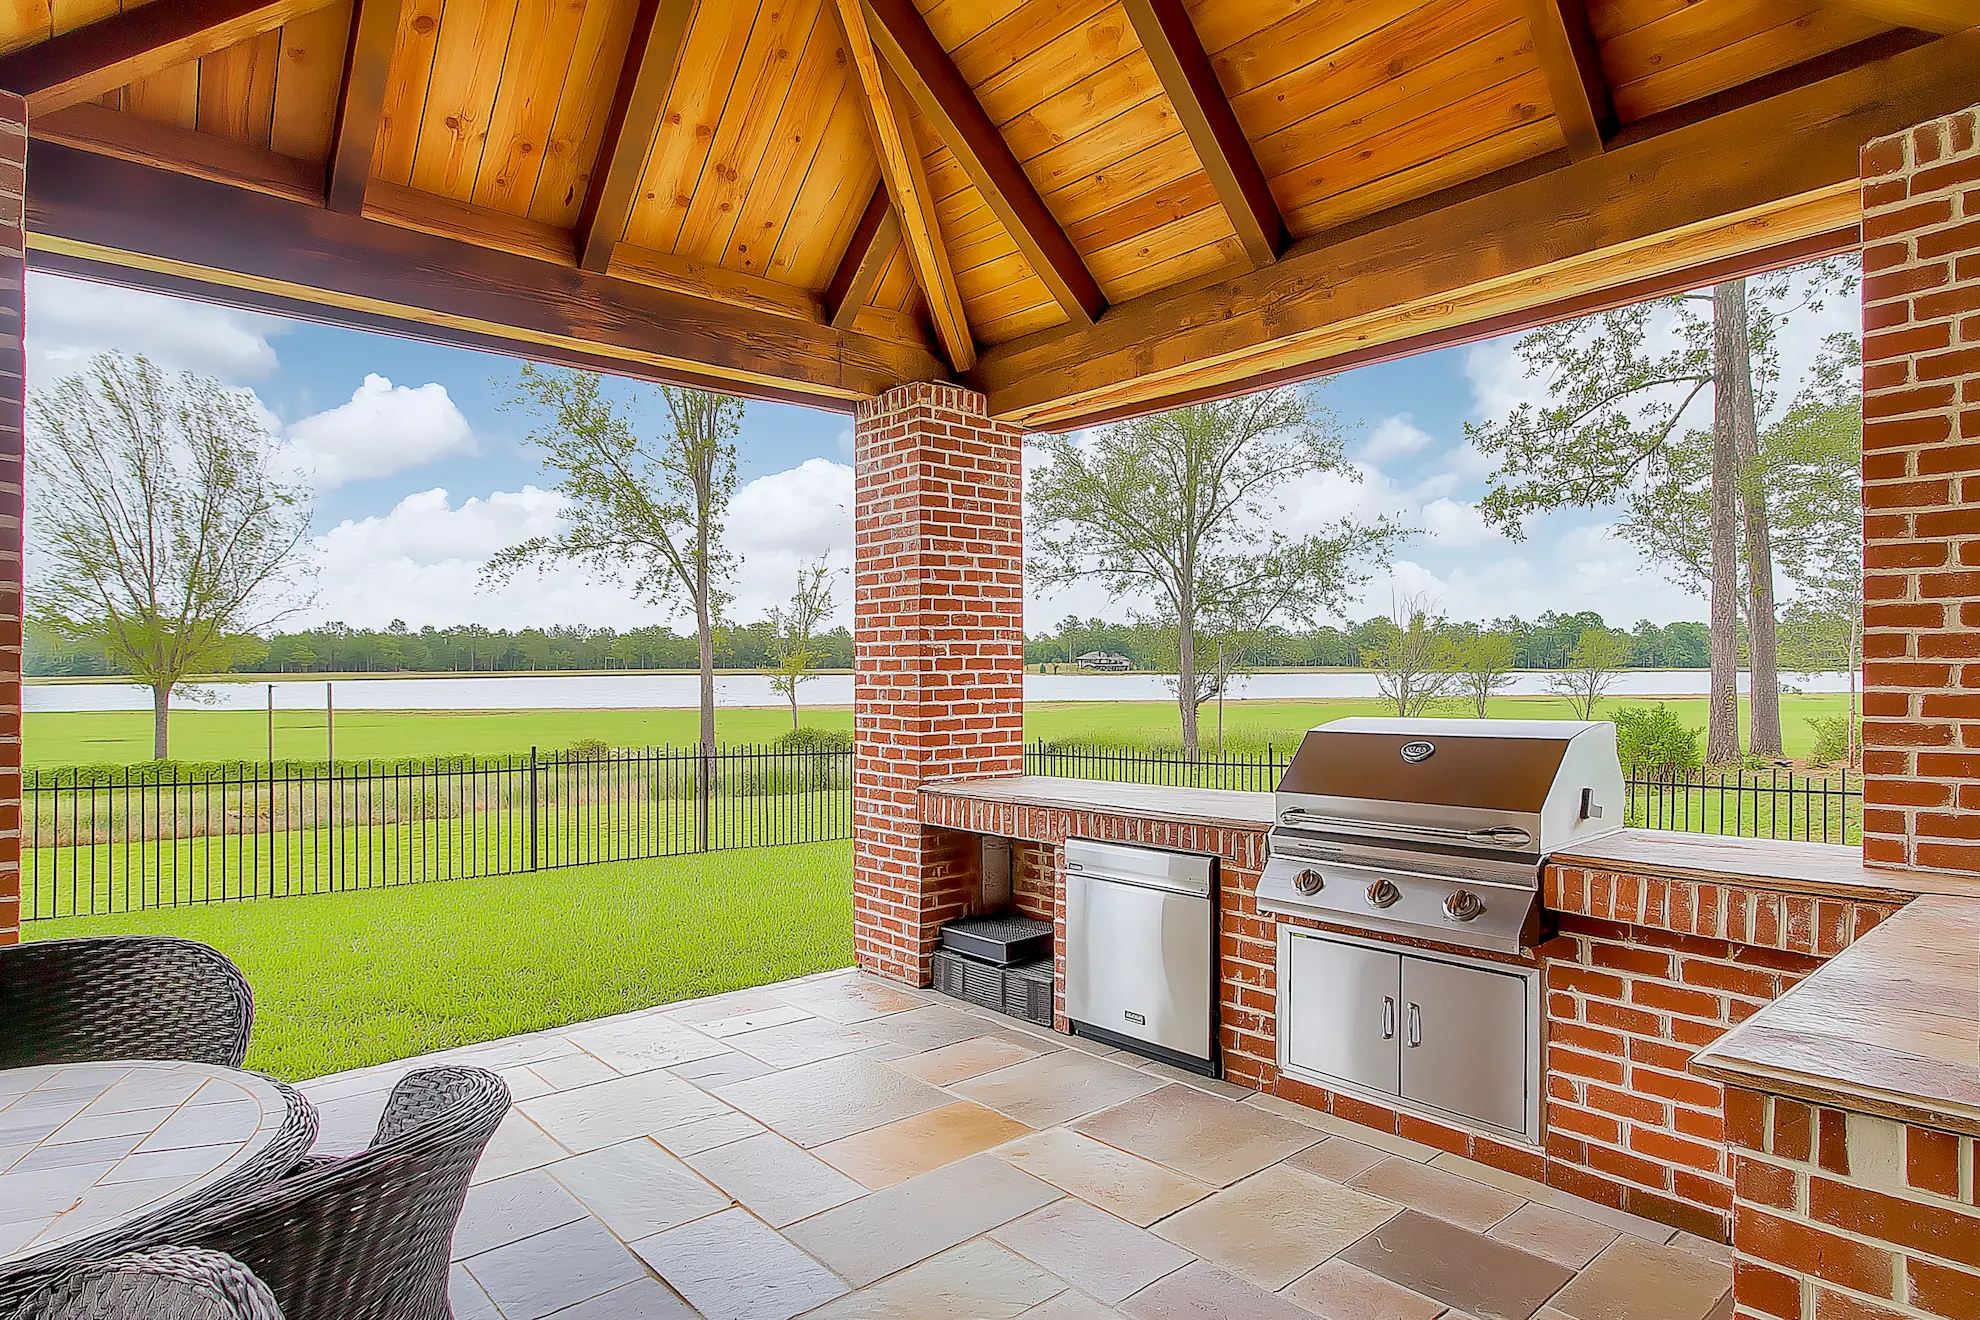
810,739
1654,743
1831,739
588,749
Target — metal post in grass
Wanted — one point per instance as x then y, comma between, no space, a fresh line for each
532,808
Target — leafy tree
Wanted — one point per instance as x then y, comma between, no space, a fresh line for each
1484,664
165,532
1414,660
1181,506
1591,669
645,510
1617,428
794,628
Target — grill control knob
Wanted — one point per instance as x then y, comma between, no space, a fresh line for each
1309,881
1383,893
1463,905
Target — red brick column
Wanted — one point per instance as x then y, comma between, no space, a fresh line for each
938,626
13,390
1921,495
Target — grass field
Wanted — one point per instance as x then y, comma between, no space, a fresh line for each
209,735
346,980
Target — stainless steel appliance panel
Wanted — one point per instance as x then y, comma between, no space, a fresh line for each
1185,873
1340,1010
1464,1037
1141,951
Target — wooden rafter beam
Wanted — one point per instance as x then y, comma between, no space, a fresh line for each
659,32
873,243
86,205
1565,47
107,132
82,64
1946,16
1170,40
906,177
946,100
361,102
1700,192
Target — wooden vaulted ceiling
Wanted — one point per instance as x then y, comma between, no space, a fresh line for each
1083,207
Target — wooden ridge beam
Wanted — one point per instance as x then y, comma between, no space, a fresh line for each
865,257
1702,192
1184,67
361,101
1565,47
124,214
1943,16
84,63
906,178
946,100
659,32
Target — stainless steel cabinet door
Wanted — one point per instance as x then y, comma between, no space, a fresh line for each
1138,962
1464,1041
1339,1010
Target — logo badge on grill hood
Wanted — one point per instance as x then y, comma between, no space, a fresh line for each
1418,751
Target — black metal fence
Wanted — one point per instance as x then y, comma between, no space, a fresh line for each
147,836
97,842
1767,803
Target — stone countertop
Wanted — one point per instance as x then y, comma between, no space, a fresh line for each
1190,806
1824,869
1890,1026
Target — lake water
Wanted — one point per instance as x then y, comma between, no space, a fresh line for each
661,691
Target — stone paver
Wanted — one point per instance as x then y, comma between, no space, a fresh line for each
681,1162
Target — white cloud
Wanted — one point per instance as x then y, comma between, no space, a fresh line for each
781,521
385,428
1455,523
1499,385
68,320
1394,437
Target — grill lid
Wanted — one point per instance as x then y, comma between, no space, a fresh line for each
1506,766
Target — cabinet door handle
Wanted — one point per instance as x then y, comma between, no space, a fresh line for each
1388,1017
1415,1026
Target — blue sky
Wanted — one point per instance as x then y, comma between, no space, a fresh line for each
420,474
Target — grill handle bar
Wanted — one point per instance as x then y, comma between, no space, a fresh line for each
1492,836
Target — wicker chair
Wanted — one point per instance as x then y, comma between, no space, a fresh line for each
164,1283
122,997
367,1236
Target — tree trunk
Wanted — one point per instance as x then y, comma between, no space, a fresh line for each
161,711
1733,380
705,641
1186,693
1722,713
794,706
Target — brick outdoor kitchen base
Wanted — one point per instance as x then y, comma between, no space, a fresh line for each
1665,943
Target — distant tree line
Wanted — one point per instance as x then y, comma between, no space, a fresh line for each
1543,643
338,649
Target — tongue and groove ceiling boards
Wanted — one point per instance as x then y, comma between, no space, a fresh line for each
1085,208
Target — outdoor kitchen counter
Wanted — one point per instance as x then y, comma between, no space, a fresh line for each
1825,870
1888,1026
1222,808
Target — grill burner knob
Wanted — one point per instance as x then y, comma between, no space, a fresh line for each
1463,905
1309,882
1383,893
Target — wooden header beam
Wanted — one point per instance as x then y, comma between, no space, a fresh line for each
1566,51
659,32
123,214
946,100
1702,191
361,102
1945,16
1187,76
83,64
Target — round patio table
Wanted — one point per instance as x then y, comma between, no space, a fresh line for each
91,1151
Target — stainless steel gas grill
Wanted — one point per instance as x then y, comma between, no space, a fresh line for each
1436,829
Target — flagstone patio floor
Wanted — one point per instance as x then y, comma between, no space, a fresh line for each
841,1146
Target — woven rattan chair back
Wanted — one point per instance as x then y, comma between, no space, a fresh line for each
122,997
163,1283
367,1237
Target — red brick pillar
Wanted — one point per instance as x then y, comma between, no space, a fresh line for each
13,391
1921,496
938,627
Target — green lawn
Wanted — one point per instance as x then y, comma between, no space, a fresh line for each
208,735
345,980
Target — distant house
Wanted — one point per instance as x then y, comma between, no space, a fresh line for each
1104,660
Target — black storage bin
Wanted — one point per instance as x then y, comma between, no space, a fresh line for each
1028,992
966,978
1004,940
